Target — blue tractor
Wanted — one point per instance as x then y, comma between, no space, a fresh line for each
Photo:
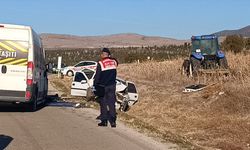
205,54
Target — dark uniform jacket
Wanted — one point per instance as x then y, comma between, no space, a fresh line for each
106,72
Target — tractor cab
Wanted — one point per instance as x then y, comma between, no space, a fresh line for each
205,45
205,54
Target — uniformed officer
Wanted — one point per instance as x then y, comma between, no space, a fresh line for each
105,82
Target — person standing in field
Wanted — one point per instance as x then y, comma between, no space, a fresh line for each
105,87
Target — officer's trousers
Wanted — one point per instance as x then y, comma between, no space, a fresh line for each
107,104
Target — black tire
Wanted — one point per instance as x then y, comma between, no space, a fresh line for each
70,73
185,67
33,104
223,63
196,65
124,106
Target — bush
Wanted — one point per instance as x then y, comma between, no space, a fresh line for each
247,43
234,43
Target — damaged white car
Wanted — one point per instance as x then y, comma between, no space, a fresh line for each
126,93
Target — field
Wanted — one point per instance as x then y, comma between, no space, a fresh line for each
217,117
124,54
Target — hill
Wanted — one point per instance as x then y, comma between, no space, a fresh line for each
243,31
116,40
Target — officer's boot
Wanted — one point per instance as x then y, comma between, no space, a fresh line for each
113,122
103,123
98,117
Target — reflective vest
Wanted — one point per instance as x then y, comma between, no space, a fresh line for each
108,64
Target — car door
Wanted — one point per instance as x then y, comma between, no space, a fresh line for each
132,92
120,85
89,74
79,85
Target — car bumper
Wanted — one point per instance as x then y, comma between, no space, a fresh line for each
12,96
64,71
12,99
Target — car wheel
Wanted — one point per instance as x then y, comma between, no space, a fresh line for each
70,73
124,106
33,104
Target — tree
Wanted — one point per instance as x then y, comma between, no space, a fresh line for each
234,43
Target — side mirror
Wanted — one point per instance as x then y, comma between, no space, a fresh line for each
49,67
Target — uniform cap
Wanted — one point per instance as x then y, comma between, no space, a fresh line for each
106,50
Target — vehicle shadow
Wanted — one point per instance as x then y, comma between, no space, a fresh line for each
51,101
5,141
10,107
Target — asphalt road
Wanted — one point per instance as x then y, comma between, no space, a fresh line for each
66,128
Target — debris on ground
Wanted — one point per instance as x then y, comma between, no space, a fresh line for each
194,88
84,105
77,105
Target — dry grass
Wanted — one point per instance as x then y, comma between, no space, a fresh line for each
62,85
215,118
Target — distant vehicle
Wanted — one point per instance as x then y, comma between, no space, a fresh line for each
70,70
55,69
126,92
23,74
205,54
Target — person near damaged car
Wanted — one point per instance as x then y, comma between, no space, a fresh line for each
105,87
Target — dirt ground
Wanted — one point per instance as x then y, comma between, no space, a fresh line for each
217,117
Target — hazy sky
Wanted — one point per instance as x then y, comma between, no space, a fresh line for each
170,18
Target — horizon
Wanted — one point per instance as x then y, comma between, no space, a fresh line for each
138,34
110,35
169,19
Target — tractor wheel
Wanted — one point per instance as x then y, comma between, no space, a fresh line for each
223,63
70,73
185,67
196,65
